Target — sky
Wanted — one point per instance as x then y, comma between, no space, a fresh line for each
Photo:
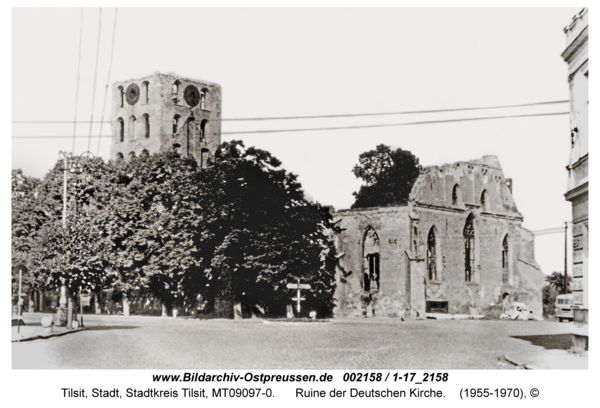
302,62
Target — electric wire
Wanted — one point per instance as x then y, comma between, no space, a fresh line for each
107,80
95,76
393,113
338,116
77,87
390,124
343,127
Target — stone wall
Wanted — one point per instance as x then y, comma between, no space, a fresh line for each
391,226
161,106
442,200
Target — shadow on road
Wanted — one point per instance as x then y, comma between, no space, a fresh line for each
100,328
549,341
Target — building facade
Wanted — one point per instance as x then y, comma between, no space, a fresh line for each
457,247
576,56
165,112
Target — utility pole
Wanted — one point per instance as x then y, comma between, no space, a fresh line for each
565,277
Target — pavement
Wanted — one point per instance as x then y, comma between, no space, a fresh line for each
149,342
549,360
33,330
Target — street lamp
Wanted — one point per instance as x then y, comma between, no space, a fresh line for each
71,163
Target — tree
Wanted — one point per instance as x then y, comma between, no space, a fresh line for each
389,177
557,281
161,227
76,256
149,210
27,219
260,233
549,300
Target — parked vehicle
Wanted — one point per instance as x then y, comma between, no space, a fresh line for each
564,307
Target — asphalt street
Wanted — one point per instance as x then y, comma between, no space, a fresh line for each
135,342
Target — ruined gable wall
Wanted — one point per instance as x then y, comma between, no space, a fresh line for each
431,200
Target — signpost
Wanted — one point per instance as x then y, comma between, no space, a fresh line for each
298,286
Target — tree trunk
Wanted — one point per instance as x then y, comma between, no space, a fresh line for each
125,306
164,310
237,310
97,304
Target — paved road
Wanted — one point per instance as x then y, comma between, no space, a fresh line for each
165,343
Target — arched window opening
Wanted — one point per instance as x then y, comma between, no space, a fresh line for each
203,98
119,156
456,195
431,255
203,129
469,236
177,148
144,153
121,96
146,95
121,129
204,155
131,155
131,132
176,91
176,120
371,269
505,273
484,201
146,126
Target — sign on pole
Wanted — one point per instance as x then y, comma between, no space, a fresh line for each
298,298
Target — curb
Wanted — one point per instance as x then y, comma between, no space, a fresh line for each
42,337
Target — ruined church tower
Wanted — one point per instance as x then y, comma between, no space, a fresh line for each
165,112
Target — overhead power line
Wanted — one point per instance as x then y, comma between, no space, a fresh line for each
77,88
338,116
390,124
112,48
393,113
95,76
344,127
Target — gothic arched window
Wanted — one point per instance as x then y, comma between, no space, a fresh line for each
469,237
120,96
146,126
176,91
146,95
505,273
456,195
203,128
484,203
371,265
431,255
131,132
121,129
176,120
203,98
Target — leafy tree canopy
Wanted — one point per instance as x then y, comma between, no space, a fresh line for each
557,281
161,227
389,177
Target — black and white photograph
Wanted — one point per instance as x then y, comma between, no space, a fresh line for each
299,204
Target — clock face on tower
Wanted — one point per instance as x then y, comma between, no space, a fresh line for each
191,95
133,94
